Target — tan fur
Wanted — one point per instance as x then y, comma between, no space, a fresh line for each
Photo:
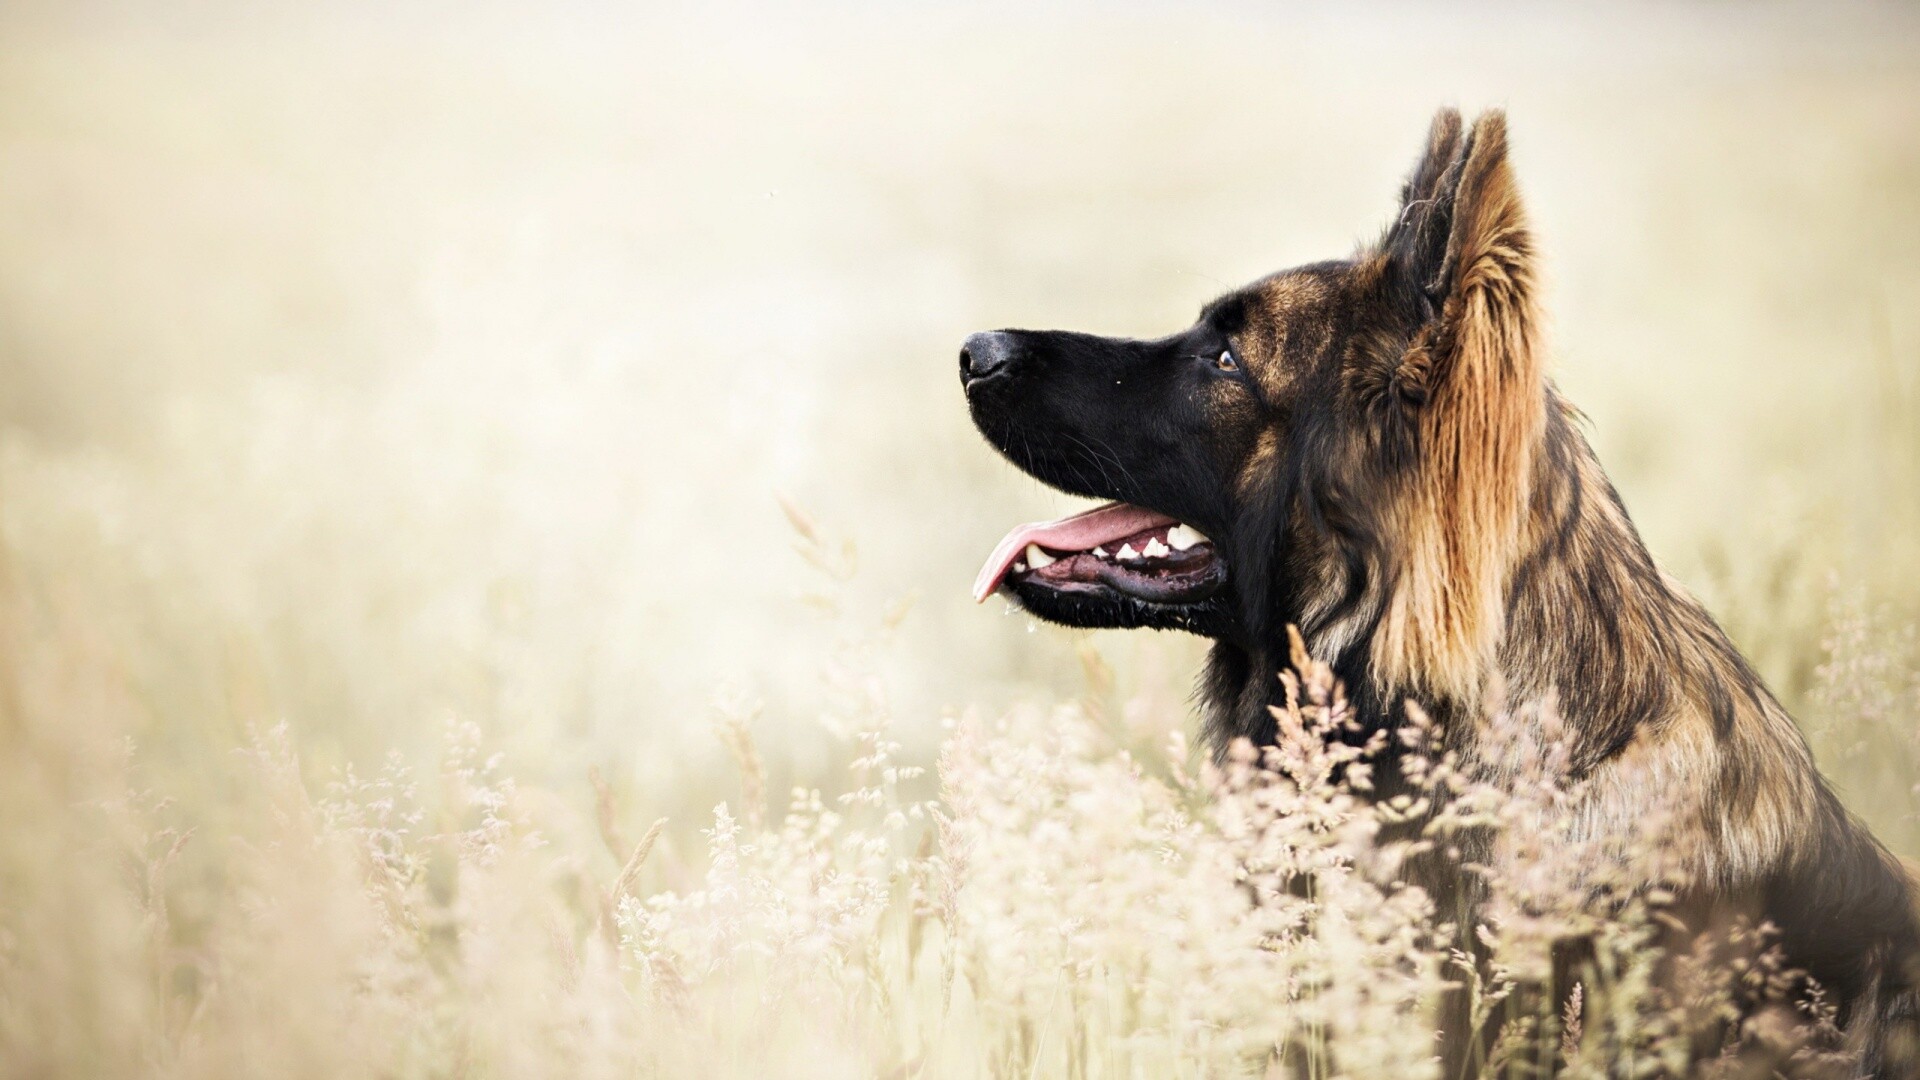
1677,768
1463,516
1283,295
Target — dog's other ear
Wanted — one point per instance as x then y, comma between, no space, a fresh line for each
1417,239
1472,379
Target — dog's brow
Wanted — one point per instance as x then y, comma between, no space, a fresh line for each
1227,313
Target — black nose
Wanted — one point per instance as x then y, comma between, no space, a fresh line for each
985,355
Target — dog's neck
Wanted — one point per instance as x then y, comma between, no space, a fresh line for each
1579,563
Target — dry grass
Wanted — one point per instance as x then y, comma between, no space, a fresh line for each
1067,906
391,415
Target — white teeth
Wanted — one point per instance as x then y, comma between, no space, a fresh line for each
1019,567
1102,552
1127,552
1037,558
1183,537
1155,549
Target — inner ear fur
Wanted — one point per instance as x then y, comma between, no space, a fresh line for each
1473,379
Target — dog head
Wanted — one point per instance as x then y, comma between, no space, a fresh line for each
1321,445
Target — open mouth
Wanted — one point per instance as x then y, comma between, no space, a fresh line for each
1119,547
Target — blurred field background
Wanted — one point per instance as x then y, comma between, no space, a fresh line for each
366,365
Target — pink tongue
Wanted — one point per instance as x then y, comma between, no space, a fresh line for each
1080,532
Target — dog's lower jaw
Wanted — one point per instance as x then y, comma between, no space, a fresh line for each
1210,618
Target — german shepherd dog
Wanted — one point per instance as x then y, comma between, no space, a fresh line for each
1369,449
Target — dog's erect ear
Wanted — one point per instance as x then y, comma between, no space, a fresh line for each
1461,240
1473,380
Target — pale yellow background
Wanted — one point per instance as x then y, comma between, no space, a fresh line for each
362,363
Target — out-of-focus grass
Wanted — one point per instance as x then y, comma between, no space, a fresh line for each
376,369
1084,898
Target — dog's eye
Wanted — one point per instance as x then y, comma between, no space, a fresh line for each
1225,361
